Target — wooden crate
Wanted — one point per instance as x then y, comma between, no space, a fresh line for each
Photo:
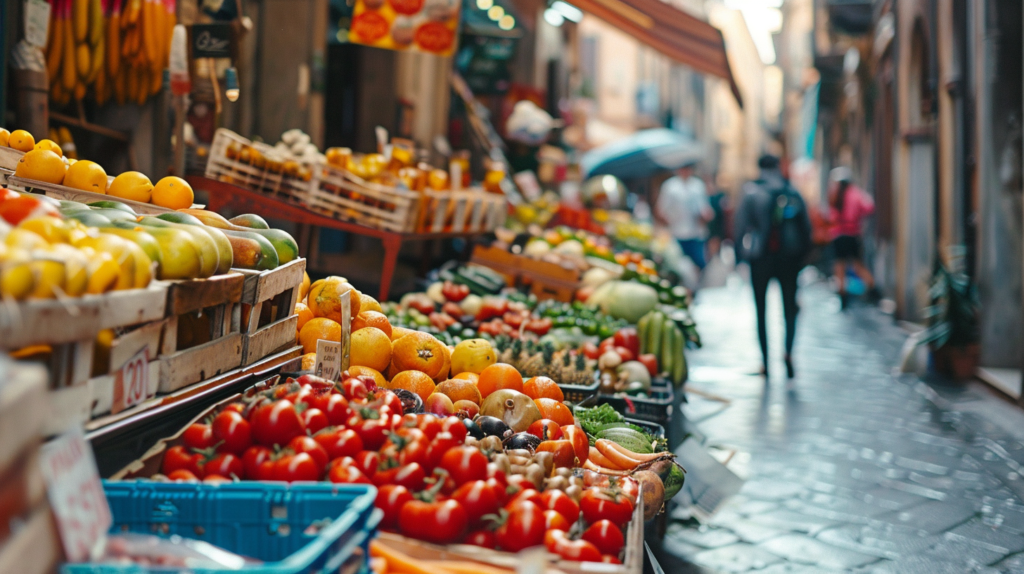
23,410
70,328
469,211
202,337
274,175
9,158
127,342
344,196
545,279
268,309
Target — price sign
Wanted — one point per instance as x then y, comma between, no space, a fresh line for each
211,40
328,360
76,495
131,383
346,328
37,21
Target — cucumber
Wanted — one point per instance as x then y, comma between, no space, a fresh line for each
641,332
666,359
679,365
654,334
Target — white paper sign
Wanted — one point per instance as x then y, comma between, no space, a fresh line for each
328,360
346,328
131,383
37,20
76,494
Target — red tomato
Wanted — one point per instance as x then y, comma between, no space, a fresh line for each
561,503
605,504
606,536
627,337
215,478
555,521
482,538
430,425
225,464
454,427
591,351
339,442
438,522
440,446
180,458
276,423
410,476
315,420
557,542
651,362
390,500
513,320
354,388
562,451
336,408
237,407
373,432
304,394
525,495
545,429
295,467
539,327
605,346
390,400
609,559
579,440
307,445
523,529
198,436
232,431
16,209
414,451
367,461
465,464
478,498
500,488
253,460
182,474
346,474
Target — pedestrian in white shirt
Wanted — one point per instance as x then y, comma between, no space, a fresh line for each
683,207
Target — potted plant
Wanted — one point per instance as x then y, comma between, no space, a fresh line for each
953,332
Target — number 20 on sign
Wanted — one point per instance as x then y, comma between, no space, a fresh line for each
131,383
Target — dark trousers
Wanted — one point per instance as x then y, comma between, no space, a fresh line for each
761,273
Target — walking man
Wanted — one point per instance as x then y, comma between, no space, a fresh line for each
773,235
683,207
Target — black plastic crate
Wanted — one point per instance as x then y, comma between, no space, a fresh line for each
576,394
657,408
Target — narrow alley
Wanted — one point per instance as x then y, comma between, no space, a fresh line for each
848,467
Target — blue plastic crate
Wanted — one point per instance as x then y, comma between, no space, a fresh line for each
266,521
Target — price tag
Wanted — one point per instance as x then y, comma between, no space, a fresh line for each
76,494
37,21
131,383
346,328
328,360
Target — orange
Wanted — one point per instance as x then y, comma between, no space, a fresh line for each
87,176
21,140
447,368
360,370
472,377
304,287
459,390
372,319
311,287
473,355
367,303
554,410
543,388
420,351
399,332
325,298
41,165
131,185
304,315
371,347
499,376
50,145
316,329
173,193
308,362
5,137
413,381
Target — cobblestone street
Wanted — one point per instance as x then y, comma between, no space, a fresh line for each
848,467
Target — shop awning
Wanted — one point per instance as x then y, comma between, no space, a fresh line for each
678,35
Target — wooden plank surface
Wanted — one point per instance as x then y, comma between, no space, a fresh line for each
195,294
269,339
23,409
202,362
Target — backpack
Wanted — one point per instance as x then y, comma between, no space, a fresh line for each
789,233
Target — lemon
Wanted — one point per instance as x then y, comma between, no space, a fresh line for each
75,267
173,192
87,176
25,239
104,272
52,229
50,145
131,185
5,136
40,165
49,273
21,140
16,277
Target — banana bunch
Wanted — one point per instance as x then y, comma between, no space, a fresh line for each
47,257
119,48
661,336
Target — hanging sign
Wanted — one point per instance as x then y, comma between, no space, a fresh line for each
211,40
415,25
76,495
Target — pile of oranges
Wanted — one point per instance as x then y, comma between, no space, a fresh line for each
448,379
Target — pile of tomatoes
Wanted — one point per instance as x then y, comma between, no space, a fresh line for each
431,485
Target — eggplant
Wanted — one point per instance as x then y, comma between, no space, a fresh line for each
493,426
473,429
411,402
521,440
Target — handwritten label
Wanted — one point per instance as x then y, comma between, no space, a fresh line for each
346,328
131,383
37,21
76,494
328,360
211,41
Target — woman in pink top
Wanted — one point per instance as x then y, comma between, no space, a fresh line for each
848,206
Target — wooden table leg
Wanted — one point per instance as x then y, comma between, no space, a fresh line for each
392,245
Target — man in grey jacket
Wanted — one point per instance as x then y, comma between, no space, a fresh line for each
773,235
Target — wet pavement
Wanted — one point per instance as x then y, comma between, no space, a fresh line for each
849,467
